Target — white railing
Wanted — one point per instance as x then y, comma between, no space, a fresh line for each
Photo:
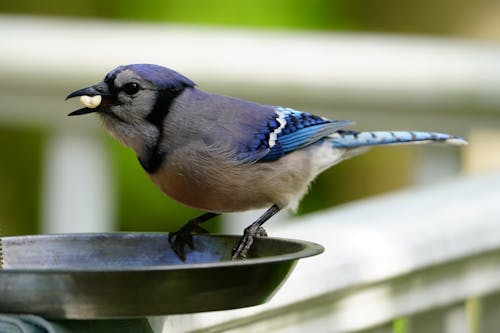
426,256
423,257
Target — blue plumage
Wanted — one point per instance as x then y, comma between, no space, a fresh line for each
353,139
161,77
222,154
288,130
300,129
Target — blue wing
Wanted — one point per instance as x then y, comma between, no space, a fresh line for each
288,130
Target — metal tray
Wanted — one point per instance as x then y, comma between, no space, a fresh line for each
117,275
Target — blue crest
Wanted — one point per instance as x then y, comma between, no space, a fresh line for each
162,77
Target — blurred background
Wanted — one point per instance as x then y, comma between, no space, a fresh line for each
389,64
426,65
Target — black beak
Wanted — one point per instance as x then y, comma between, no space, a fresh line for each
97,89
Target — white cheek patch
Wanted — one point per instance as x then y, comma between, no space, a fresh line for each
91,102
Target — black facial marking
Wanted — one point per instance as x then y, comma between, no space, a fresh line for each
157,116
161,107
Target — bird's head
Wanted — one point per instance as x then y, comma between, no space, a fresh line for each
133,100
128,90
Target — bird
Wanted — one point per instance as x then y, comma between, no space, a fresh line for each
221,154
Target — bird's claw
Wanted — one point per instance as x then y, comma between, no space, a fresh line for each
182,237
240,250
261,232
178,242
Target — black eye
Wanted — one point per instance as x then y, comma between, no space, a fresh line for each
131,88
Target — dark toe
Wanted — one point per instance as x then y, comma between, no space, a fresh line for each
178,242
261,232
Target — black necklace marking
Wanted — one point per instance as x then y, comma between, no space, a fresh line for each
154,158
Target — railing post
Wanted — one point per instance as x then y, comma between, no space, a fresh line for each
77,189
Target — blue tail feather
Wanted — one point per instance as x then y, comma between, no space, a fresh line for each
351,139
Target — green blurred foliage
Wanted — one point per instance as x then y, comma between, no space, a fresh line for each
258,13
444,17
20,178
262,14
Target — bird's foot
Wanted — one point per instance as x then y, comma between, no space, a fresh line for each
261,232
240,250
182,237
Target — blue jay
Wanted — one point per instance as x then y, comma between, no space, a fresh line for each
222,154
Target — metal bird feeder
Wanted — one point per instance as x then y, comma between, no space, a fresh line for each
119,275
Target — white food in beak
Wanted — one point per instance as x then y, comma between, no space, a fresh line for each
91,102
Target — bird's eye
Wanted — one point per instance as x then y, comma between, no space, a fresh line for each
131,88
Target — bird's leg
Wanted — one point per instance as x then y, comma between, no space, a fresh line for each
240,250
184,236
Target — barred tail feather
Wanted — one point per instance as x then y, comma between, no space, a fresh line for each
351,139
